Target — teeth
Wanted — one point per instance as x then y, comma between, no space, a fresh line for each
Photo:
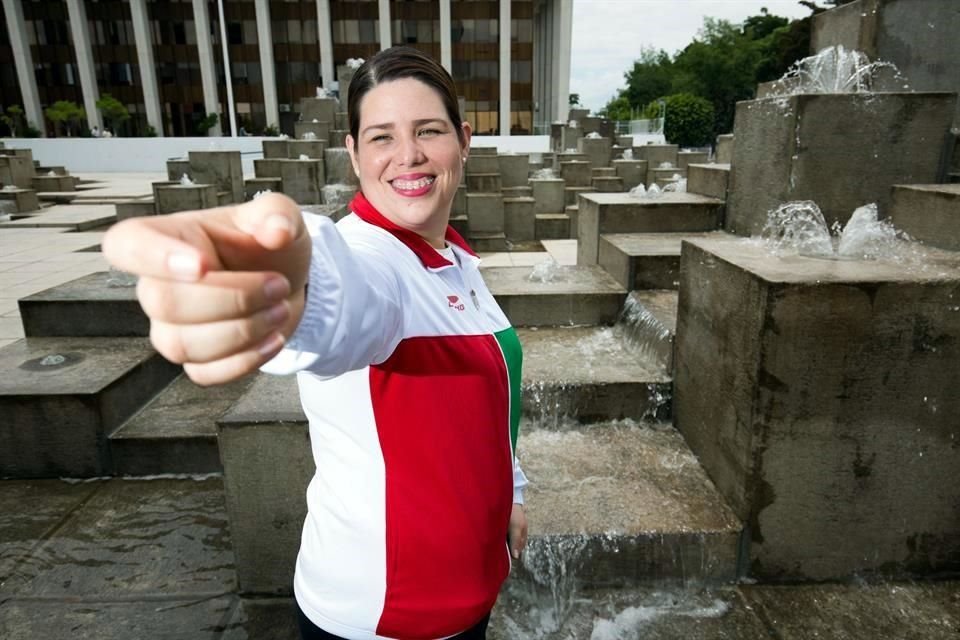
410,185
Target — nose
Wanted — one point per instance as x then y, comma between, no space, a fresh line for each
410,152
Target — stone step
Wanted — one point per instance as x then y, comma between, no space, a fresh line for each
519,221
252,186
622,504
614,377
603,172
514,169
571,194
665,176
176,432
686,158
576,173
929,213
645,260
633,172
485,212
708,180
525,191
556,296
89,306
482,163
552,226
488,242
602,213
61,397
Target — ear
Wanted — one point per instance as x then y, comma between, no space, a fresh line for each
467,134
352,150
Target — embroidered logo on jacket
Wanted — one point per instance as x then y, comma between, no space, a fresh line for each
454,303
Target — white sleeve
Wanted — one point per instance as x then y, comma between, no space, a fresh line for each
519,482
352,316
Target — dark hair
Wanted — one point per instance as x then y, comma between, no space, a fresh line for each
396,63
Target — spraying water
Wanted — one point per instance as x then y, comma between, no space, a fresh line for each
185,181
800,227
833,70
544,174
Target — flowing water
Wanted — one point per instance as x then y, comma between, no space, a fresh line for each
835,70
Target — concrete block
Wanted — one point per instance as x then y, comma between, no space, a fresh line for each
601,213
556,136
483,151
220,168
665,176
798,148
633,172
24,200
517,192
603,172
645,260
519,222
548,195
273,149
55,183
578,114
135,208
344,76
576,296
485,212
576,173
322,109
319,129
253,186
460,224
820,397
572,212
483,183
607,184
267,464
686,158
928,213
552,226
570,135
459,207
16,170
656,155
568,156
514,169
589,124
571,194
100,304
708,180
338,138
302,179
724,154
597,150
267,168
482,163
488,242
342,122
313,149
176,169
171,198
338,169
624,141
62,397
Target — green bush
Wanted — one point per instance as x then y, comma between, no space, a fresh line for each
208,122
150,132
271,130
689,119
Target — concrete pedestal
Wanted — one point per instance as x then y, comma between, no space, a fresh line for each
319,129
302,179
337,167
220,168
61,397
24,200
313,149
171,198
576,173
90,306
274,149
322,109
633,172
724,154
514,169
840,150
267,464
598,150
485,212
176,169
820,396
17,171
519,221
548,195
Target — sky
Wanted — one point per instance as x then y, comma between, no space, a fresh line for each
608,35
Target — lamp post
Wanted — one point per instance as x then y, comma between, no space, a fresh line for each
226,72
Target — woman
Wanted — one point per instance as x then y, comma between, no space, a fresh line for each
408,370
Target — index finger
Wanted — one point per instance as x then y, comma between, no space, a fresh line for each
166,250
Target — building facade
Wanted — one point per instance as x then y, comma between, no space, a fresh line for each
164,60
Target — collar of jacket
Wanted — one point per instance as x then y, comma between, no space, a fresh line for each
427,254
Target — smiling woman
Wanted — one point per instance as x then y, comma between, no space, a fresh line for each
408,370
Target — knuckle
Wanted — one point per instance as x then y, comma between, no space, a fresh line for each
157,299
166,340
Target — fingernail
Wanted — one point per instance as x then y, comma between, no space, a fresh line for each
184,265
271,345
276,289
516,554
277,314
280,223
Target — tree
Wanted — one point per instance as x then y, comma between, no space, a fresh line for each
574,100
689,119
650,77
113,111
618,108
206,123
66,114
13,119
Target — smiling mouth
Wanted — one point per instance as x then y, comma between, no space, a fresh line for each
412,185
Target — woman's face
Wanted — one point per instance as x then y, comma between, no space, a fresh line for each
408,156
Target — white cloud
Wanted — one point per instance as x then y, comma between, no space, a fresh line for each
608,35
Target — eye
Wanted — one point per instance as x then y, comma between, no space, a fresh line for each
383,137
429,132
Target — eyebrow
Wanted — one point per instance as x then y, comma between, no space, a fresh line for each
390,125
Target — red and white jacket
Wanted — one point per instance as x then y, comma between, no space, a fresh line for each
409,374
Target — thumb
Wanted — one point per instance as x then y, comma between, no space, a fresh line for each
273,220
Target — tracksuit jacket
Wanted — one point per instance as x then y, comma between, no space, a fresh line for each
409,374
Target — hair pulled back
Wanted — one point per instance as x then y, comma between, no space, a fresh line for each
396,63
